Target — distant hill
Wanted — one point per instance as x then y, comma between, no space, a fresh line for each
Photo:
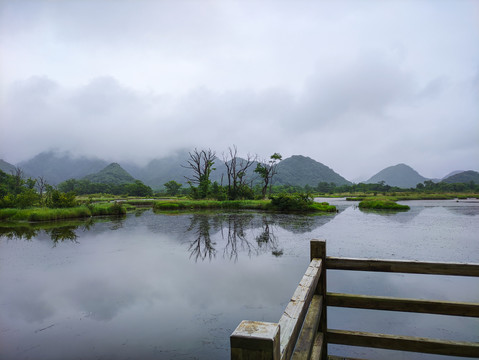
7,167
56,167
400,175
452,173
112,174
463,177
302,170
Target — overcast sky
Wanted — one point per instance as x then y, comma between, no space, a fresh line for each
356,85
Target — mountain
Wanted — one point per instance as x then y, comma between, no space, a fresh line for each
463,177
302,170
400,175
7,167
57,167
452,173
112,174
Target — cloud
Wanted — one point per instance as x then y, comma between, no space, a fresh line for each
355,86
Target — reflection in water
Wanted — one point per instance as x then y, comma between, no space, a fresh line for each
62,233
58,231
141,291
201,247
238,232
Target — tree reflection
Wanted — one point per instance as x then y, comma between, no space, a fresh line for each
56,231
19,232
236,239
267,240
237,231
202,247
62,233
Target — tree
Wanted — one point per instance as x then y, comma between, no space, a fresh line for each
267,170
201,163
236,169
172,187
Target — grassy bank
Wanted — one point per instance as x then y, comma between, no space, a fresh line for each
47,214
267,205
409,196
382,205
210,204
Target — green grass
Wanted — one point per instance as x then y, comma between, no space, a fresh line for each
47,214
168,205
172,205
410,196
382,205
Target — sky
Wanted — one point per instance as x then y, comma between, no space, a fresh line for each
356,85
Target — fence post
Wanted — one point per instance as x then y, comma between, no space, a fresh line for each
255,340
318,251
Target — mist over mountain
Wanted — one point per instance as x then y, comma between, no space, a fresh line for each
463,177
299,170
57,167
400,175
7,167
112,174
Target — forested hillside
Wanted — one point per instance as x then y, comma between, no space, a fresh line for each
400,175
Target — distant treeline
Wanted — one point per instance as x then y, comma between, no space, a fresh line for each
86,187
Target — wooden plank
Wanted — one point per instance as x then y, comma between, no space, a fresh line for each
402,266
304,345
407,305
318,250
255,340
292,319
404,343
318,347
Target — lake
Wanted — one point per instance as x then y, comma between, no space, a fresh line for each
175,286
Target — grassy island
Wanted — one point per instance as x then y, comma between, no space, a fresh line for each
48,214
382,205
279,203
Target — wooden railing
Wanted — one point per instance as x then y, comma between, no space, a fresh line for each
302,331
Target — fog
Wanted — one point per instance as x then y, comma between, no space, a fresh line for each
356,85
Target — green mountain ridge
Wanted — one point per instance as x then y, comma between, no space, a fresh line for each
299,170
112,174
463,177
400,175
302,170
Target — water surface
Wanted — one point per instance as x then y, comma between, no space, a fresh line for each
157,286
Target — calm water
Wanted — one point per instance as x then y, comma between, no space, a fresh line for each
155,286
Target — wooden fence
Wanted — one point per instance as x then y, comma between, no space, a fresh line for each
302,331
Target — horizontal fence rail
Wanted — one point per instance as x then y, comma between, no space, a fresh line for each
402,266
401,304
302,331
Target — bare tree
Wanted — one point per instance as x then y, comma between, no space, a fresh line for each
201,163
41,187
236,170
18,176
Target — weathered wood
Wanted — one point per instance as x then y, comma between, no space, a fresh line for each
404,343
318,347
295,312
255,340
318,250
304,345
402,266
400,304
